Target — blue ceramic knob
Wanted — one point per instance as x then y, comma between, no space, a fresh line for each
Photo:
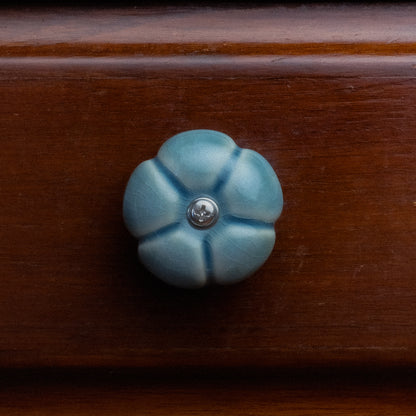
203,210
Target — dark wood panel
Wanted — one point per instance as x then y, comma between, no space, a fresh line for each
340,284
115,394
340,131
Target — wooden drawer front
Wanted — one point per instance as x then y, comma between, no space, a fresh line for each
340,130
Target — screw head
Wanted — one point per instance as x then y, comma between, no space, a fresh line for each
202,212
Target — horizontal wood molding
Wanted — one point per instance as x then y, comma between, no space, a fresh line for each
113,393
161,31
201,49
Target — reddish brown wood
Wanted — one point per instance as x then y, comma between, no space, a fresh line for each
199,30
340,287
112,394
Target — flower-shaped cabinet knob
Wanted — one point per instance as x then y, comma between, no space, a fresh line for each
203,210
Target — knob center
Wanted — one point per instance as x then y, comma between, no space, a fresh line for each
202,212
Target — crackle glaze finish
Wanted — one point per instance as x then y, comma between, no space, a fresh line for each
203,164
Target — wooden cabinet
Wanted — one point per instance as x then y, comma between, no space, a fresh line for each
327,94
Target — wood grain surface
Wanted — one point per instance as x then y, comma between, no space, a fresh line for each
113,393
344,29
109,393
339,129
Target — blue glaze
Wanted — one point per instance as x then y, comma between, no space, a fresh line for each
197,157
203,163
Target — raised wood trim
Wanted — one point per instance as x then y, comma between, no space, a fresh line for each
268,30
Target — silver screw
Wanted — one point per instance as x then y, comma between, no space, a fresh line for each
202,212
